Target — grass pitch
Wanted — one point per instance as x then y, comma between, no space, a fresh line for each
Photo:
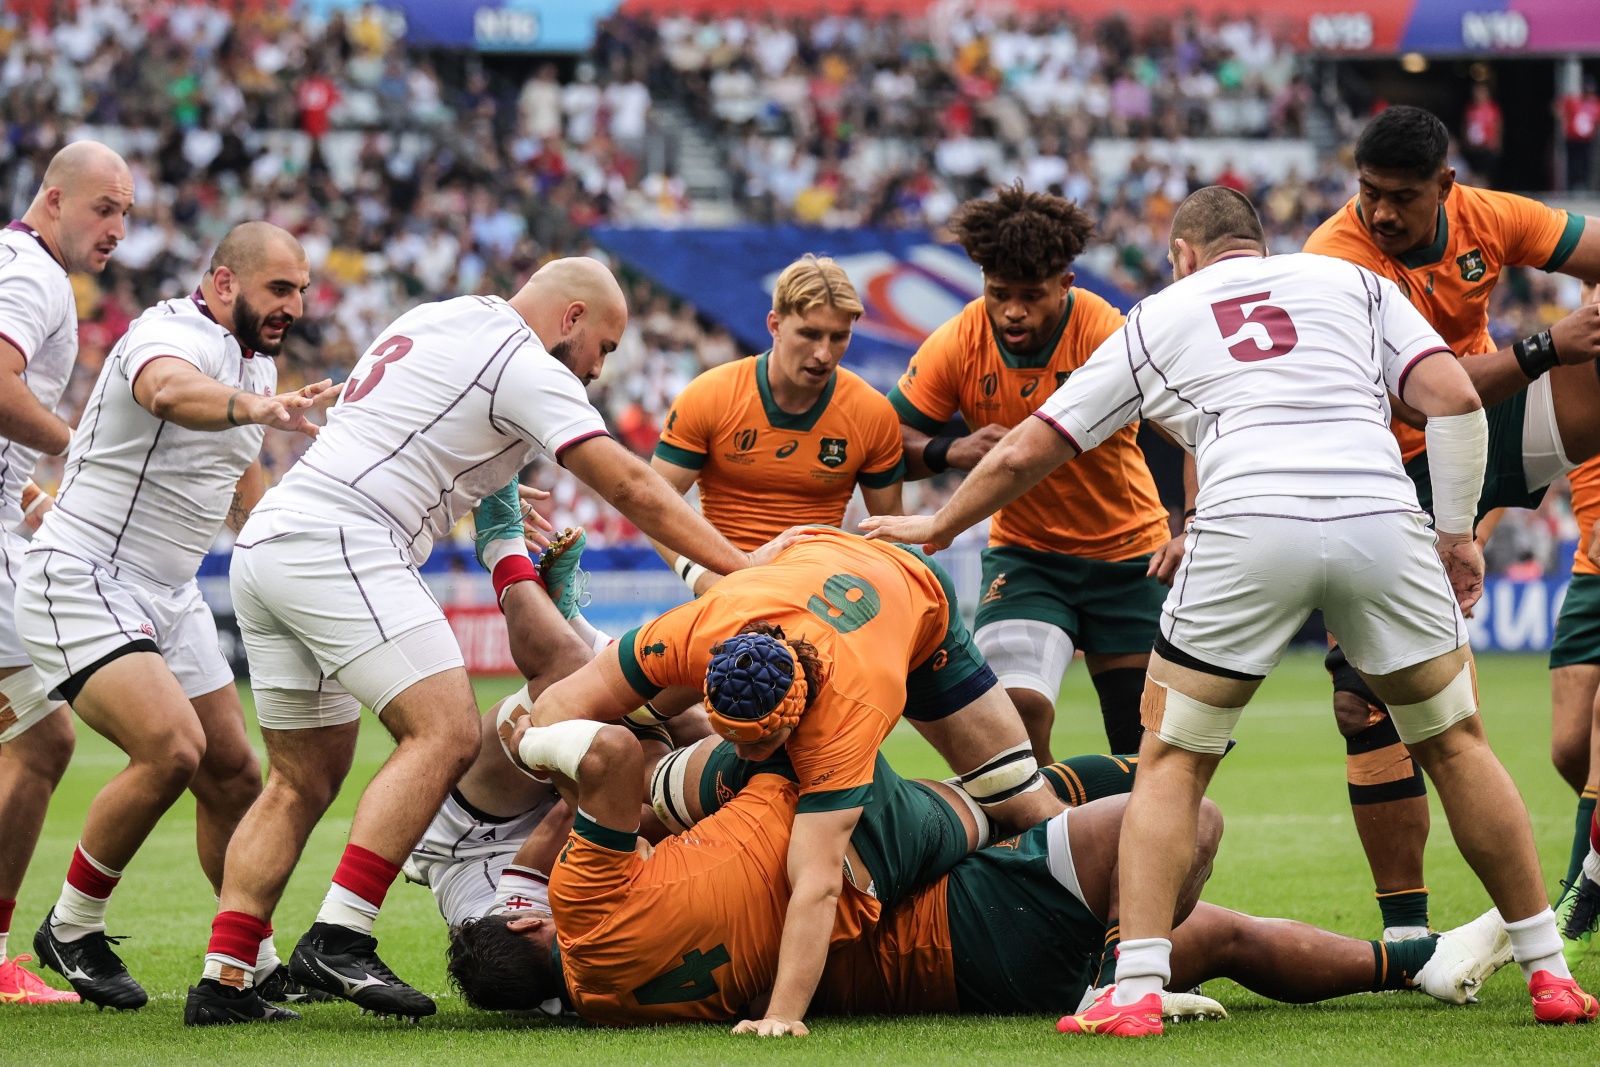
1289,850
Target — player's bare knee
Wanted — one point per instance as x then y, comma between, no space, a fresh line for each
1570,761
614,753
1351,713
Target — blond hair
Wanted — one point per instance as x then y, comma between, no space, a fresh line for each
813,282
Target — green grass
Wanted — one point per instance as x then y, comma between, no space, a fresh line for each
1289,850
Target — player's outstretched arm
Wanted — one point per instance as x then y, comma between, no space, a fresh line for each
1019,462
174,390
816,873
681,479
628,484
22,418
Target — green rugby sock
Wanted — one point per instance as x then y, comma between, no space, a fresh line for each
1409,907
1081,779
1580,835
1395,963
1107,972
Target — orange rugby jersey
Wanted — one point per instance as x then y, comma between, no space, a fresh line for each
902,965
1585,511
1103,505
761,469
873,611
691,933
1480,233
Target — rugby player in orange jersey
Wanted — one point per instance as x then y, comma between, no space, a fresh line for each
690,930
1446,246
1070,565
827,645
784,438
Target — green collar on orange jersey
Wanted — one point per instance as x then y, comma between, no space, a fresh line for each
1042,357
781,419
1428,254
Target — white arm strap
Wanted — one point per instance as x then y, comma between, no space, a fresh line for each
1458,449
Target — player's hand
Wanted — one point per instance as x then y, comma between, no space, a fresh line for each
1165,560
772,1027
965,452
908,530
323,395
535,527
1594,545
1577,337
287,411
769,551
36,504
1463,565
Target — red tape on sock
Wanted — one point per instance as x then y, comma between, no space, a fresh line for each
509,572
88,879
237,935
366,874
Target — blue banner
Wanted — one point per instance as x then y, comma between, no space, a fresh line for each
909,283
489,25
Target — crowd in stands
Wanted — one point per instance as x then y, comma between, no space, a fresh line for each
409,176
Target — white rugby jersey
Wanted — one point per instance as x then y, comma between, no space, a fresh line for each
445,408
146,497
39,316
1275,372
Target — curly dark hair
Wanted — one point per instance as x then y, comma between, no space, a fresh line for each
805,653
498,970
1022,236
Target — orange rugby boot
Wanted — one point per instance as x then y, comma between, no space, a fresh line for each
18,985
1142,1018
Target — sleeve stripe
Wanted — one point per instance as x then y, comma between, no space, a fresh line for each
914,416
1567,243
561,450
606,837
628,657
1058,428
835,799
680,457
12,341
883,479
1400,386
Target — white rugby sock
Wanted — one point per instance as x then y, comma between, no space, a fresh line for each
345,908
78,913
1591,866
503,548
1536,945
3,939
1143,967
587,633
267,958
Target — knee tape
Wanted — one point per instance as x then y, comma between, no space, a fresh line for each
667,798
1004,775
1185,722
1378,768
23,702
1431,717
518,703
559,747
972,805
1026,654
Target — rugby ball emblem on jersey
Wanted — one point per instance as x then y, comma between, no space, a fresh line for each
832,452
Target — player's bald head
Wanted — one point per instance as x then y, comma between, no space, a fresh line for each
84,164
578,279
250,247
1217,219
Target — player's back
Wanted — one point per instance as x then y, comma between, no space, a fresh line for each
1276,372
444,408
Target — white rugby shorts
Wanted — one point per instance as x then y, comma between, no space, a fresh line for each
12,549
72,612
1254,570
463,852
312,600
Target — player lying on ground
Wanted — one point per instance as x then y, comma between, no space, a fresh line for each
690,930
1303,504
820,651
1447,246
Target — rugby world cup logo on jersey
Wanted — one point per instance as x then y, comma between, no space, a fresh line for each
744,440
989,383
832,452
1472,265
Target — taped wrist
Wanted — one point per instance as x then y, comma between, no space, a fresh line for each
936,453
1536,354
690,571
518,703
559,747
1004,775
1458,448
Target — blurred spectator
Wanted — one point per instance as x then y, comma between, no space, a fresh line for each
1481,133
1580,116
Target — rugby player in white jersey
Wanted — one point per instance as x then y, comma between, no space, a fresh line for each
1276,373
450,402
107,604
73,224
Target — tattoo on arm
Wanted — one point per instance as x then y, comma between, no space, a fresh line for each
237,512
